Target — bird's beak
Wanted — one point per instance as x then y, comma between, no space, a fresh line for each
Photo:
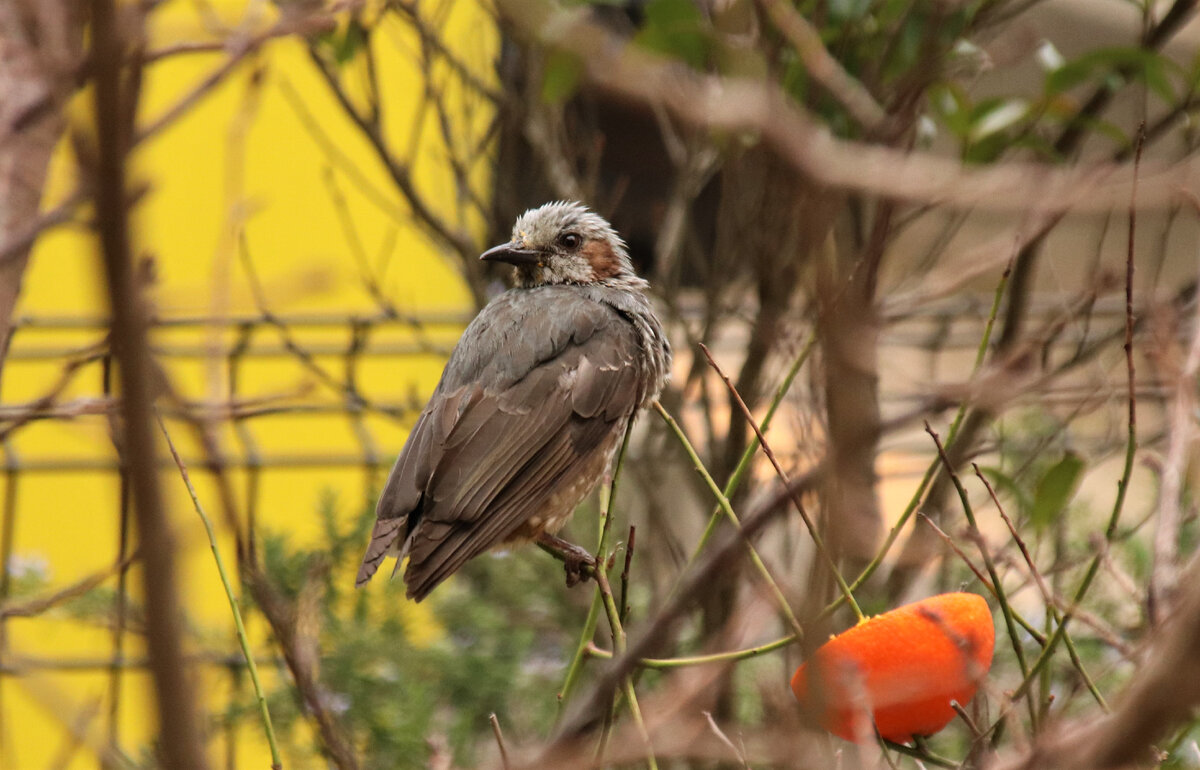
513,253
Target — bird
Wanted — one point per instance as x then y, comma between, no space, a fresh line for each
531,406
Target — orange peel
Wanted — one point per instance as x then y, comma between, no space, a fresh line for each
899,671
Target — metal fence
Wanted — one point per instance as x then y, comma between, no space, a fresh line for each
320,362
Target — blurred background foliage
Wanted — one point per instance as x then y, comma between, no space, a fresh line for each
498,648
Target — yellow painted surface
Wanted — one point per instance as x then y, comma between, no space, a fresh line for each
245,154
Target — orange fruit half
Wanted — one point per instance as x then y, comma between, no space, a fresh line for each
899,671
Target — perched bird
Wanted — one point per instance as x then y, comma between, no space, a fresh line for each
531,406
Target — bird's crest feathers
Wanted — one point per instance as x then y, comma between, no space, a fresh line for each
599,254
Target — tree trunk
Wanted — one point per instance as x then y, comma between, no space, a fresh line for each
848,328
772,221
39,55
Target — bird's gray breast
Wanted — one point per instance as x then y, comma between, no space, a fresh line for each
627,297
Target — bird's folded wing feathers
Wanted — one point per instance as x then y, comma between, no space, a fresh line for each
480,461
437,552
402,492
406,483
511,451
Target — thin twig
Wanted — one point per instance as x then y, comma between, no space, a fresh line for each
955,424
1001,597
1037,635
732,656
743,466
966,718
430,37
607,496
299,24
20,239
604,592
336,744
739,104
813,531
499,740
34,607
619,642
1164,577
727,509
44,403
1047,595
400,172
1131,445
239,626
581,651
1162,695
338,157
723,738
660,629
305,357
629,547
962,556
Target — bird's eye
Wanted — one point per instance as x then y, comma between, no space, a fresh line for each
570,240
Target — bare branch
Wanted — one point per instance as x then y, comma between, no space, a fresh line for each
41,604
659,631
1180,437
737,104
181,744
1162,696
35,80
823,68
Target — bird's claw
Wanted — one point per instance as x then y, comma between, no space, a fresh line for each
579,565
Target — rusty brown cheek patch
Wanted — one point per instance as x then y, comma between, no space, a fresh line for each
602,259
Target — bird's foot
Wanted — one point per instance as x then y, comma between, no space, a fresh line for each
578,563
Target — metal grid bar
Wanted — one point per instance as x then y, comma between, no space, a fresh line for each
284,337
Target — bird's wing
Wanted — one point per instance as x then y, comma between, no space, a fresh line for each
513,451
406,483
481,460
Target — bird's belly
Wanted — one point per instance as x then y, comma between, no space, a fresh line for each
566,498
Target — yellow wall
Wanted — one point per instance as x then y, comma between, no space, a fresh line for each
242,155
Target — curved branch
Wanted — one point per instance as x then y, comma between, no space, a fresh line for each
723,104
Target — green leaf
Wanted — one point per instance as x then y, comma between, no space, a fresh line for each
994,116
1006,485
847,10
986,150
676,28
1069,75
1055,489
346,45
560,78
906,52
795,79
950,103
1155,74
1114,64
1192,78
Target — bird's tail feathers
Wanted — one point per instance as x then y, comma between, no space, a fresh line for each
385,541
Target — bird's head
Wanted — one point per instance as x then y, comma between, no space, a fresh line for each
563,242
